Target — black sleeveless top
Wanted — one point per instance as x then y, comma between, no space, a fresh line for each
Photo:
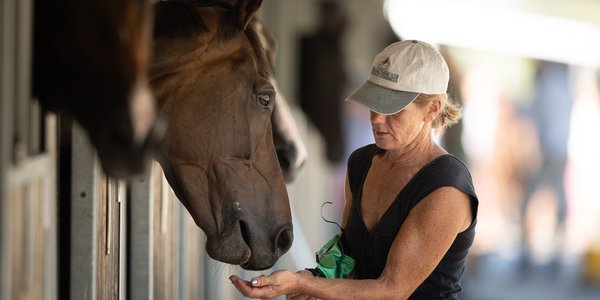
370,248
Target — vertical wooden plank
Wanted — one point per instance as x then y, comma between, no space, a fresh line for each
140,237
164,254
174,232
193,284
49,213
159,291
8,80
7,20
109,237
84,207
36,236
122,237
103,283
22,73
18,244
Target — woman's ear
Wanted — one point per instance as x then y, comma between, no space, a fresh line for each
433,109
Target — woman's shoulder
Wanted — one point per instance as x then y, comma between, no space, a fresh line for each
448,162
444,170
448,170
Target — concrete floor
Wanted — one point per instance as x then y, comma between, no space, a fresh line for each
496,279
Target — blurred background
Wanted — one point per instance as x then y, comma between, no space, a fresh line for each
527,73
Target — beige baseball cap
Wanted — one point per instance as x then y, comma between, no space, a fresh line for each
401,72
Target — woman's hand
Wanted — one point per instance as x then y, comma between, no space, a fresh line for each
266,287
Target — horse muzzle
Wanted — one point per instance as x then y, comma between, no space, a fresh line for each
250,248
255,225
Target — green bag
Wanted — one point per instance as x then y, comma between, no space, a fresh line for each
332,262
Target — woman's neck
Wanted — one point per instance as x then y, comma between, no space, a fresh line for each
415,154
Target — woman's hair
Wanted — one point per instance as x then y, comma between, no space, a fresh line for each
450,113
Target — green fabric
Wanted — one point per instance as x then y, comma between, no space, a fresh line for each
332,262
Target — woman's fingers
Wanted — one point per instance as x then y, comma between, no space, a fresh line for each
278,283
252,289
260,281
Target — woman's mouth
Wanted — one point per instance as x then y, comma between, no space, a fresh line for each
381,133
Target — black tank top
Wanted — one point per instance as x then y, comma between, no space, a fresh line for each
370,248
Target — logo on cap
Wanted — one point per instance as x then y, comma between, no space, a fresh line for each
381,71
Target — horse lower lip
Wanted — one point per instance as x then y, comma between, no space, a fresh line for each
229,251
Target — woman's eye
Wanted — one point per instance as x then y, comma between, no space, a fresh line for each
264,99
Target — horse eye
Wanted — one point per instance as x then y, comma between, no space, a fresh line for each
264,99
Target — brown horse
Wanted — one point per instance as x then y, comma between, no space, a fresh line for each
213,80
90,63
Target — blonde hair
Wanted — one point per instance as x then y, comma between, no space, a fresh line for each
450,113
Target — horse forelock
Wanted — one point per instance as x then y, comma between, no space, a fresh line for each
180,18
264,66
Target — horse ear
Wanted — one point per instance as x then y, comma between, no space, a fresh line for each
243,12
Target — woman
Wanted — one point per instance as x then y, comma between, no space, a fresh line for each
410,211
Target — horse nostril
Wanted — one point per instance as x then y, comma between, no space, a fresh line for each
284,240
283,158
244,231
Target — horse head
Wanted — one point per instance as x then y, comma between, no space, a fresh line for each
90,63
213,83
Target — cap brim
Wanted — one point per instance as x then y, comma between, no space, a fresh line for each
380,99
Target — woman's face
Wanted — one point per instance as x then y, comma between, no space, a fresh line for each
400,129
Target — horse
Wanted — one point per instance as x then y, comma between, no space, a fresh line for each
214,84
90,62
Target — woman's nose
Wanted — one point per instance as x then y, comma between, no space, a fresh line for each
377,118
